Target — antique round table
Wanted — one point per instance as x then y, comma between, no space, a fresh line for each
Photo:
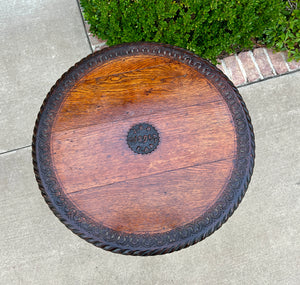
143,148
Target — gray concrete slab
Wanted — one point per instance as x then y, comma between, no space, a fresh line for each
40,40
259,244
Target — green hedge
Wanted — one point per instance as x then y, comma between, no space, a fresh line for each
285,35
206,27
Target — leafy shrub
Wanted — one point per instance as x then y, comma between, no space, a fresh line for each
285,35
206,27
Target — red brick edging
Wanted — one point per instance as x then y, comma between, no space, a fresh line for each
256,65
243,68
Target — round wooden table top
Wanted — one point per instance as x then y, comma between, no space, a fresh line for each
143,148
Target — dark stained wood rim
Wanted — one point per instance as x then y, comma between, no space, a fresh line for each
143,244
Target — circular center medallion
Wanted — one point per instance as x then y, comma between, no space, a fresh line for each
143,138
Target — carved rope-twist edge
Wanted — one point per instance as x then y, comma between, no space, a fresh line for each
166,249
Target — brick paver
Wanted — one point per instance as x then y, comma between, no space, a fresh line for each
293,65
263,63
278,62
233,70
219,65
252,73
96,43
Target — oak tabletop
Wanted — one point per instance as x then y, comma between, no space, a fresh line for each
143,148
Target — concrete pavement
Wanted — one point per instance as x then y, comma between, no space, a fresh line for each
259,244
40,40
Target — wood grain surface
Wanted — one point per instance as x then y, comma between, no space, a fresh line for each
136,193
143,148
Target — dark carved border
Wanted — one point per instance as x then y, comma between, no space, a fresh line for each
143,244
